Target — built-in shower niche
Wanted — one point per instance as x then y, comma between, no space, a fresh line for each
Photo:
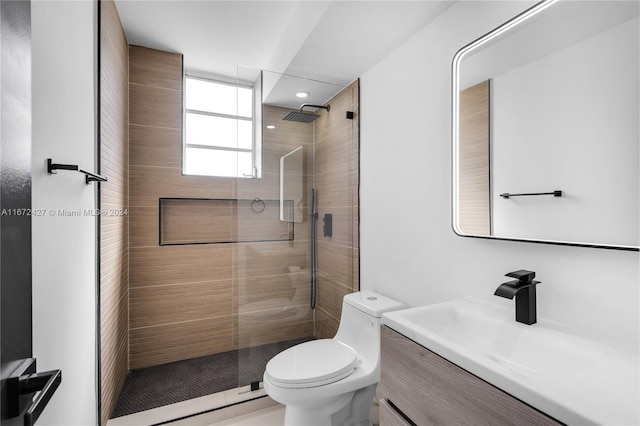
211,221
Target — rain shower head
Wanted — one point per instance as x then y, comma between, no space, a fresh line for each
301,117
305,117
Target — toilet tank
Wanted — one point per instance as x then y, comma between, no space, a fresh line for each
360,322
371,303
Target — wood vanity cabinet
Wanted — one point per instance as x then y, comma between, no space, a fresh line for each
419,387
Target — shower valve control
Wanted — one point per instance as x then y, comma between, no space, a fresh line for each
328,225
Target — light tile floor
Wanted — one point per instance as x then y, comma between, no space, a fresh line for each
272,416
199,405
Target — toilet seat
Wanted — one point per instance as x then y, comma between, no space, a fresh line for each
310,364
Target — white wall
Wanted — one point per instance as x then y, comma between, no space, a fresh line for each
64,248
408,249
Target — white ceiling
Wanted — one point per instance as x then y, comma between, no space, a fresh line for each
333,41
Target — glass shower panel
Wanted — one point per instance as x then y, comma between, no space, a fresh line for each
336,183
274,278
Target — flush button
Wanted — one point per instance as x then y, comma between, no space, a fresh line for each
372,298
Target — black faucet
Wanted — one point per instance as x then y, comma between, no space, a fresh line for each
524,289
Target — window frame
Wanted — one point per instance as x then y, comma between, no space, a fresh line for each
217,79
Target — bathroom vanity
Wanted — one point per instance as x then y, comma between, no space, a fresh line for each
467,361
420,387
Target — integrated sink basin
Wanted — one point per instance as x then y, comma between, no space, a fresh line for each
573,377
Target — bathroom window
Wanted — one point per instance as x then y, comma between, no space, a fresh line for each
218,128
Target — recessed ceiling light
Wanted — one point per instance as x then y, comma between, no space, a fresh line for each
271,127
302,94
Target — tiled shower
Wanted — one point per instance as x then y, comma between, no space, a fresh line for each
203,265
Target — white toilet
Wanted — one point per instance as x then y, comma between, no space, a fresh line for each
332,381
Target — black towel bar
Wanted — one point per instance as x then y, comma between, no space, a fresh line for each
89,177
554,193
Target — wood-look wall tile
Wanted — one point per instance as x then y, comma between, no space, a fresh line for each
355,282
473,181
114,265
143,226
272,258
302,230
154,106
331,295
295,305
337,146
114,128
336,189
155,68
111,384
113,229
155,146
261,289
337,262
259,220
151,266
166,304
336,181
265,328
114,335
184,273
174,342
148,184
326,326
266,188
338,177
114,292
115,197
334,124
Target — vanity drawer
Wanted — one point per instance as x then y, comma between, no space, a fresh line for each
430,390
389,416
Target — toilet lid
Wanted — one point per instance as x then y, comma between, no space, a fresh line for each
312,363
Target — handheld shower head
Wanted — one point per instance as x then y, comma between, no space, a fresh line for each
305,117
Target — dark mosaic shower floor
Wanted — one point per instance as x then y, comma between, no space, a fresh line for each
153,387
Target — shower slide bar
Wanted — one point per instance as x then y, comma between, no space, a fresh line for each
556,193
314,251
89,177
